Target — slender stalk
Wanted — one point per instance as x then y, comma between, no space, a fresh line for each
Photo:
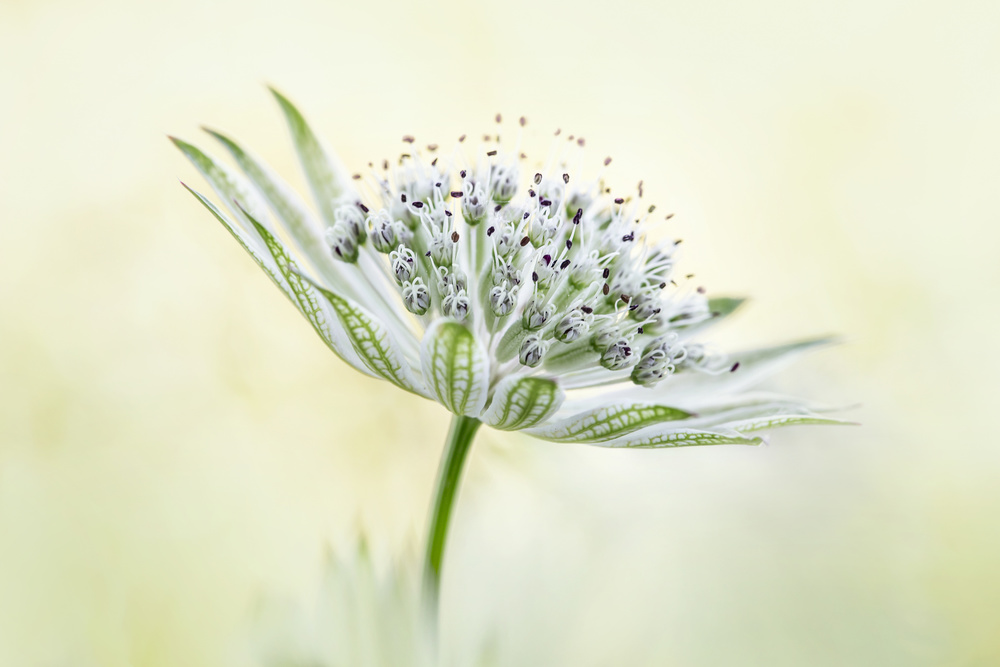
460,435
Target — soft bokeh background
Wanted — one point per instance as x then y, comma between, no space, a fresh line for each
174,440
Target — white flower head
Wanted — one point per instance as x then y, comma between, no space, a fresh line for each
522,295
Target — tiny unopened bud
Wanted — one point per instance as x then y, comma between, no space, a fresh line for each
501,300
503,182
456,304
504,272
451,278
416,298
571,327
618,355
603,337
659,360
506,240
645,306
381,229
542,230
536,315
354,218
474,202
532,350
404,264
442,250
343,242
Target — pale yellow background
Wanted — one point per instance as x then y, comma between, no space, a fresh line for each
174,439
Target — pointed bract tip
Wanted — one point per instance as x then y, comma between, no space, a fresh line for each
177,141
215,133
278,95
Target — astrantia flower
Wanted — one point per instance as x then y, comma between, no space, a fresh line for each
517,294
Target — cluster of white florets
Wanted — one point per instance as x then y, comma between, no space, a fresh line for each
554,274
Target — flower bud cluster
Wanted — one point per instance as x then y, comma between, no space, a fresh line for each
559,266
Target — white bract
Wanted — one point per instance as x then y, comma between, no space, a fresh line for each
525,297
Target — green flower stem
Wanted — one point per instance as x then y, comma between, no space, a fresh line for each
460,435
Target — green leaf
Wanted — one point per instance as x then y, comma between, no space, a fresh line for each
368,336
607,422
523,402
327,179
456,367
